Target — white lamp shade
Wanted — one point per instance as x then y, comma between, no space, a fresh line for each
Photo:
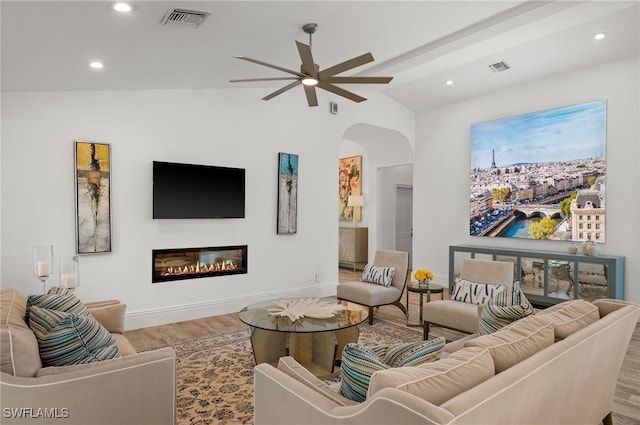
355,201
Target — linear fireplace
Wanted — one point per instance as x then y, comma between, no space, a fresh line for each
194,263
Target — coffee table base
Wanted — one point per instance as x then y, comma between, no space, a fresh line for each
315,351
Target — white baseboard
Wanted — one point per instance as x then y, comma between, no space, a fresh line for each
178,313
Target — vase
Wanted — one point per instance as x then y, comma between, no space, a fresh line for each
572,248
423,284
593,249
585,247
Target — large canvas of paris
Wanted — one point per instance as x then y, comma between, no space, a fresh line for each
540,175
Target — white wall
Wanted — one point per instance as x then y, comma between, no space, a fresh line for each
441,178
217,127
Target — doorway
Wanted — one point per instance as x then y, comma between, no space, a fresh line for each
404,220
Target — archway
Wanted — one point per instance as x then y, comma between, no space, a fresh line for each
387,162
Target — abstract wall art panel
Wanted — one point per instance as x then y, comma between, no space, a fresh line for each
349,183
93,197
287,193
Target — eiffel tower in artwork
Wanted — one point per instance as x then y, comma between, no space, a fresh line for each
493,158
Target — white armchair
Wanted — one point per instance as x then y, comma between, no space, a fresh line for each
464,316
372,295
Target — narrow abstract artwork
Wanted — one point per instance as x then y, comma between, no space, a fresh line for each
287,193
349,183
93,193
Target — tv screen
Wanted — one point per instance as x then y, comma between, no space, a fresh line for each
197,191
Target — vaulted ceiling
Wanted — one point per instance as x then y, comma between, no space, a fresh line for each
46,45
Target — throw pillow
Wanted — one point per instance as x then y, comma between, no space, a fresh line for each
359,363
378,275
503,308
412,353
60,299
70,338
474,292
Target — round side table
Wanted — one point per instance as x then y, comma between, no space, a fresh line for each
432,288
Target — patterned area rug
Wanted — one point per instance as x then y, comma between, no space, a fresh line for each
215,373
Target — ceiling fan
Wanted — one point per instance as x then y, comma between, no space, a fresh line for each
310,75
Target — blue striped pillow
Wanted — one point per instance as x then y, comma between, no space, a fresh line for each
413,353
378,275
70,338
359,362
504,308
473,292
59,299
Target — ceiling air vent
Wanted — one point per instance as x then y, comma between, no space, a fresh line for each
499,66
185,17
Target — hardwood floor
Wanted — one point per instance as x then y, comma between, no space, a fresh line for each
627,397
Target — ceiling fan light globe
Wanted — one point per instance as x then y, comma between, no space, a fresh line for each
309,81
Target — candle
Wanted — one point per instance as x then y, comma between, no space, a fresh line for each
69,280
43,268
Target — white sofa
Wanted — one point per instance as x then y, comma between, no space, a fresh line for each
570,381
134,389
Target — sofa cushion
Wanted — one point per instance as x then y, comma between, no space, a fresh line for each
18,345
70,338
439,381
474,292
360,362
294,369
570,316
519,341
378,275
503,308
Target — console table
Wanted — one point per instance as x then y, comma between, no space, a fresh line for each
353,245
548,277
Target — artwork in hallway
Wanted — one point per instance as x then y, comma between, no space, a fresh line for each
93,197
349,183
540,175
287,193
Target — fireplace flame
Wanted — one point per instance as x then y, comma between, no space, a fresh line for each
197,268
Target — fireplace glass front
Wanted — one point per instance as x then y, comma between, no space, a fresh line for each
194,263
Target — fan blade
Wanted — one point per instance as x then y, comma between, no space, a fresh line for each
358,80
345,66
341,92
308,65
246,80
312,99
268,65
282,90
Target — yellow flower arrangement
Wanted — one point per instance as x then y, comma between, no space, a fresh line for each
423,274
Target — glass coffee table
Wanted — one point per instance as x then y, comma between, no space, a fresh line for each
315,343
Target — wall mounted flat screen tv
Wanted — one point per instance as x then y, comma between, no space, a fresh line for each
197,191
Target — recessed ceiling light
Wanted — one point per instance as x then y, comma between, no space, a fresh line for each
599,36
122,7
96,65
449,82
